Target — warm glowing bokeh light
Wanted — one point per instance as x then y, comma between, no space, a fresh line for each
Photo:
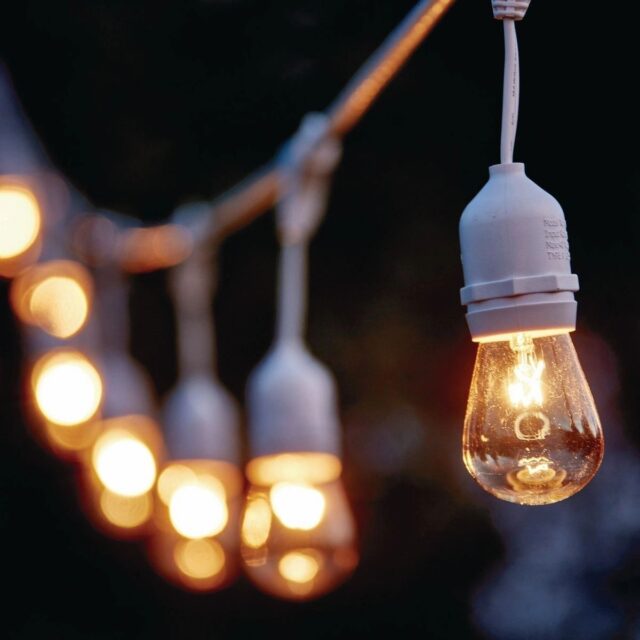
126,512
124,464
199,559
55,296
256,523
199,509
20,221
298,567
67,387
59,305
172,478
297,506
312,468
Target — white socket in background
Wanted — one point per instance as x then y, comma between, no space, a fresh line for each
292,405
201,421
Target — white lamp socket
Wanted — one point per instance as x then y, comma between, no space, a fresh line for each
516,262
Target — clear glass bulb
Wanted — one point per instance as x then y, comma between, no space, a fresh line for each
298,537
195,542
531,433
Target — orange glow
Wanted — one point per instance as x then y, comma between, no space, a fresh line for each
307,467
199,559
55,296
298,566
256,523
59,306
124,463
126,512
67,387
199,509
20,221
298,539
171,478
297,506
154,248
68,440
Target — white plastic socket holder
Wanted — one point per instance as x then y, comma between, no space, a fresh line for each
516,262
510,9
201,421
292,404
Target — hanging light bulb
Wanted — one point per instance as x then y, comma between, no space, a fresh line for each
55,296
21,223
121,471
531,433
195,545
196,542
67,387
298,534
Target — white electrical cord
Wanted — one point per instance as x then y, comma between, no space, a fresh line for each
308,164
511,93
509,11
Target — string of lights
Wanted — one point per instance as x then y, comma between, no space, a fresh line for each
531,433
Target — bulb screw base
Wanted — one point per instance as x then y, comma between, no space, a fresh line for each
516,261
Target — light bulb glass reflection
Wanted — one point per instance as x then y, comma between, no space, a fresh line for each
298,537
67,387
20,221
532,433
126,512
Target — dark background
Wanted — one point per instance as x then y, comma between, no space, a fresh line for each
144,105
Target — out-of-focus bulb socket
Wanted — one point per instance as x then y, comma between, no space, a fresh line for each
202,422
292,404
510,9
516,262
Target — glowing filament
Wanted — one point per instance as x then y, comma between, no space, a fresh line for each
526,389
67,387
199,509
19,221
298,506
124,464
298,567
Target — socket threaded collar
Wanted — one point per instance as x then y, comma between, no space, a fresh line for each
509,9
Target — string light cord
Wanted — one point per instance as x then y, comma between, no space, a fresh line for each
192,285
509,11
307,164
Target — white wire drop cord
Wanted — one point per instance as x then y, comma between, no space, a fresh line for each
511,95
292,292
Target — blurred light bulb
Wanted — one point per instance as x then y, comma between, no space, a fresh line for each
297,506
20,221
55,296
532,433
124,464
298,536
195,544
199,509
59,305
67,387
